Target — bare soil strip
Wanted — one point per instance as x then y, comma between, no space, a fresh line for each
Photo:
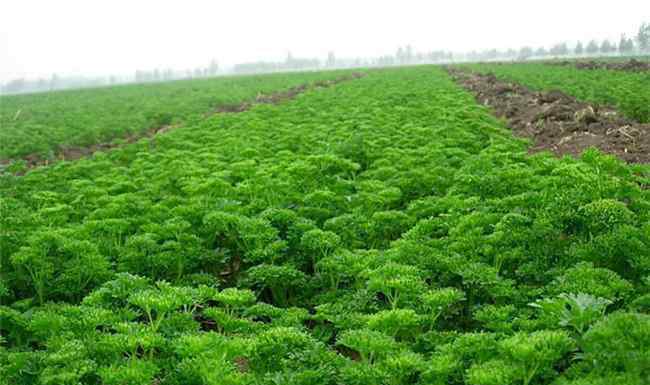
74,153
557,121
631,65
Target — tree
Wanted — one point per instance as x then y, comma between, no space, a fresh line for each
213,68
400,55
409,53
607,47
625,45
331,59
579,49
490,54
289,61
54,81
525,53
15,85
559,49
168,74
643,37
592,47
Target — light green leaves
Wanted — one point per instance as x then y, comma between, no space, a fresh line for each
619,343
397,323
531,354
494,372
156,303
399,283
129,372
574,311
437,302
371,345
523,357
281,280
604,214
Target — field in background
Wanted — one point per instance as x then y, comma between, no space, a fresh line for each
44,124
384,230
627,91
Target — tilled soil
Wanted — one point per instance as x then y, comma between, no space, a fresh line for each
631,65
74,153
557,121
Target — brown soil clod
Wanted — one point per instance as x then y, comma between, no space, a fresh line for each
242,364
557,121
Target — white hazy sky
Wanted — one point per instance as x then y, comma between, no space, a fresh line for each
39,37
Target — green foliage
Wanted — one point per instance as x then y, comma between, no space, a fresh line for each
157,303
385,230
45,122
130,372
585,278
211,359
439,301
397,323
281,281
526,356
604,214
398,283
55,265
369,344
319,243
498,318
574,311
619,343
492,373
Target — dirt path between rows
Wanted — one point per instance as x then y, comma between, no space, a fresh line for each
78,152
556,121
631,65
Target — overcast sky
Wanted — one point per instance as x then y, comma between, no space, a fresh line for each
39,37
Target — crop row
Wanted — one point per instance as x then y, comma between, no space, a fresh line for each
627,91
387,230
45,123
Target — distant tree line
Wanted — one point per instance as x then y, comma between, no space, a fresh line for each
56,82
639,44
407,55
291,63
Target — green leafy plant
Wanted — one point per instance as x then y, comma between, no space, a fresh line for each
526,356
369,344
618,344
399,283
575,311
383,230
440,301
281,281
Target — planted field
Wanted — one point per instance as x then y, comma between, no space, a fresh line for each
556,121
629,92
44,125
385,230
